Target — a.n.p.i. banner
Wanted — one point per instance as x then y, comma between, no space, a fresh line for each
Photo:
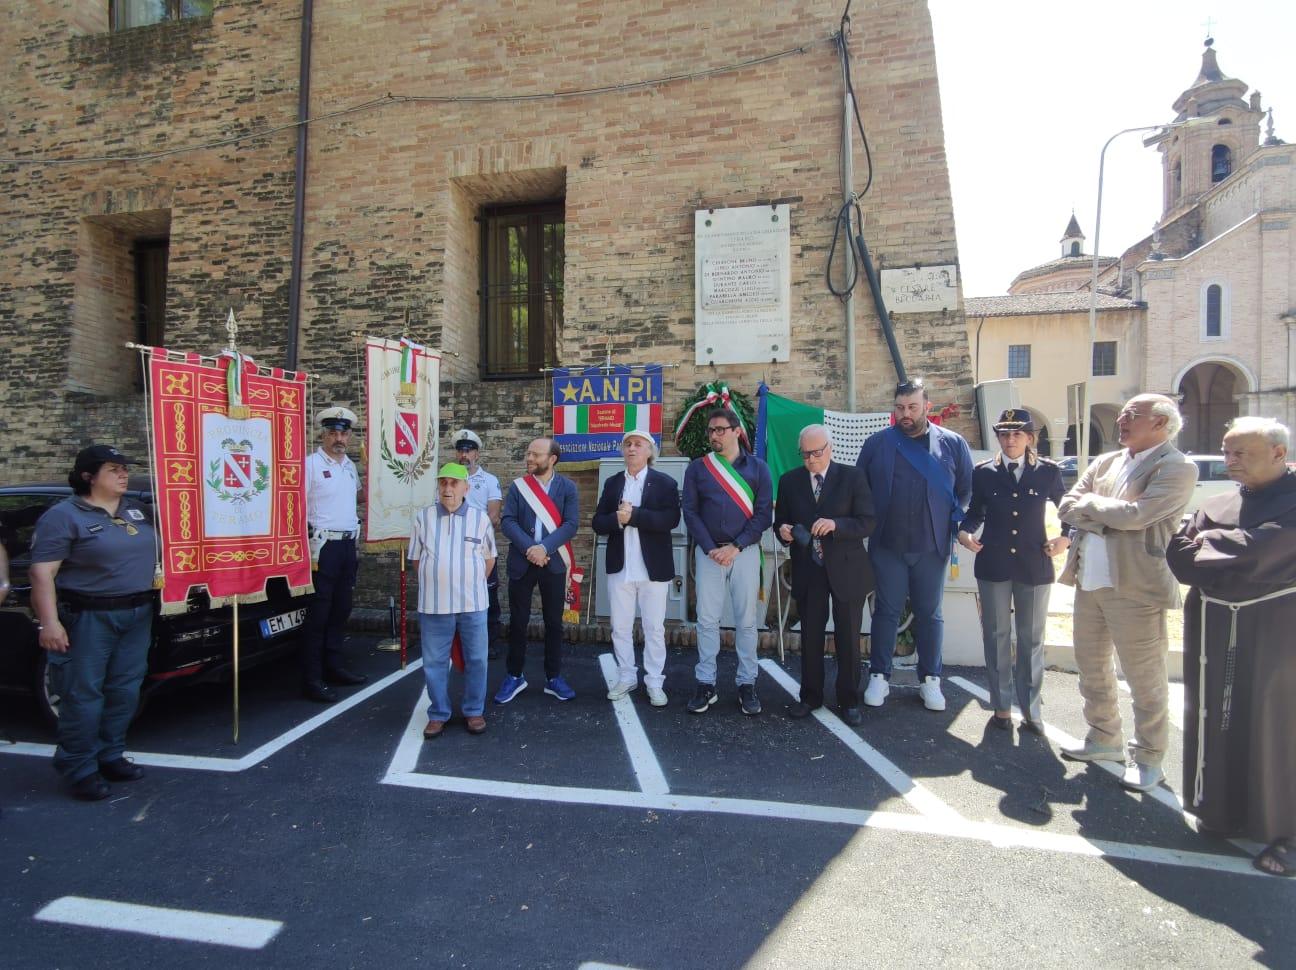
402,383
594,407
229,448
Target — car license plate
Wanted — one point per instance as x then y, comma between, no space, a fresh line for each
275,625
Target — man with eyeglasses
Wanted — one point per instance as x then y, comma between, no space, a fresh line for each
484,494
921,477
1127,506
728,504
825,512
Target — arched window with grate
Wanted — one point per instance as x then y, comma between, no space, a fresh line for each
1221,163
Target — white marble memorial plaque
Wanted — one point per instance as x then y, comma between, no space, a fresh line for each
926,289
741,284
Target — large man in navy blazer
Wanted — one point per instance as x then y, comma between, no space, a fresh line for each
541,514
921,477
637,511
825,512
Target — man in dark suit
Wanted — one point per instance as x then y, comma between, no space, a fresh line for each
637,511
824,512
541,514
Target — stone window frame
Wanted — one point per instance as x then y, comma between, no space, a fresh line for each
1019,361
1223,317
119,17
539,293
1095,370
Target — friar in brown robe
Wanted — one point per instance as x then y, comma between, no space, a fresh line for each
1239,555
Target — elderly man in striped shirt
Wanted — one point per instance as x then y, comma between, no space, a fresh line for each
454,545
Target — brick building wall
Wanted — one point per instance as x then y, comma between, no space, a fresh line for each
393,192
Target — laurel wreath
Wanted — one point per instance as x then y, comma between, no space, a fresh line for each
410,471
693,440
259,484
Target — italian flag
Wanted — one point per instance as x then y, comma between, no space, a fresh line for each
643,417
571,419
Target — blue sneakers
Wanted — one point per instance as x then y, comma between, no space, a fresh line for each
510,689
559,688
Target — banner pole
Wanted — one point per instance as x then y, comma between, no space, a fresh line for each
778,596
403,635
236,667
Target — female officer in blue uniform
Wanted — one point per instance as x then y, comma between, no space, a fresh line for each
93,560
1014,563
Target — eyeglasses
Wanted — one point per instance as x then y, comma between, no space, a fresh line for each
720,428
817,452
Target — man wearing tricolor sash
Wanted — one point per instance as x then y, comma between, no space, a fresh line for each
541,513
728,504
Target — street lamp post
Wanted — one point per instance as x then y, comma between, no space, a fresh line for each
1082,428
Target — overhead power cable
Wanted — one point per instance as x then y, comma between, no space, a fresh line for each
391,99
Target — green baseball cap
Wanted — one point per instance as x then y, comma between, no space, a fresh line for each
452,469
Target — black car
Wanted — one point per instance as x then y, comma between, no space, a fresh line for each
187,648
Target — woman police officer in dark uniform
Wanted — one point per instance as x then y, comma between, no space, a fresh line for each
93,559
1014,567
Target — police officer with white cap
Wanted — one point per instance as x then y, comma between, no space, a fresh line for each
332,483
483,493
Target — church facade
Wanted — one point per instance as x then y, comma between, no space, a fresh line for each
1203,309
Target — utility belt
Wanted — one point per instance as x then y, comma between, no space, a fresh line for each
84,602
329,535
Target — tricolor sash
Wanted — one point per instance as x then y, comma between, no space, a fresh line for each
546,511
733,484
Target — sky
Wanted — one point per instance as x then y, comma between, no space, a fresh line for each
1031,89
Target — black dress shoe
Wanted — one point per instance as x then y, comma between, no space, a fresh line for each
320,693
345,677
121,769
91,788
1002,723
1034,727
799,709
852,716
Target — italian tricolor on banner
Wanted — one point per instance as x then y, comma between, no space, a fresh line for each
575,418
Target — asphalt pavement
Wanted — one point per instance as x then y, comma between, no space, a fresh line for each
593,833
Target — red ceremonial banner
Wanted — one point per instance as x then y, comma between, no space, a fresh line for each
231,499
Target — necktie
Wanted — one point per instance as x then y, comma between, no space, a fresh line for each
815,543
1012,469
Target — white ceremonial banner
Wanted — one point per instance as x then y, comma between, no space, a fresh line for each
922,289
236,456
402,383
742,285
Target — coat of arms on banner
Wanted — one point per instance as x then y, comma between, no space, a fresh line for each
411,460
236,459
402,383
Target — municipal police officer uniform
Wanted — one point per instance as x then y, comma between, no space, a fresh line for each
1014,571
334,528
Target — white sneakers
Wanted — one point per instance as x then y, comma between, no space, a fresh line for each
656,696
1141,777
620,690
876,691
930,692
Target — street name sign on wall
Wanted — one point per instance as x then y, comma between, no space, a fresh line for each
741,288
924,289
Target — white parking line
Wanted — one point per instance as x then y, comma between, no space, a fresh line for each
401,773
1161,794
646,766
911,791
252,758
243,932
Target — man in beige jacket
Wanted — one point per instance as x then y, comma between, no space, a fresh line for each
1126,507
